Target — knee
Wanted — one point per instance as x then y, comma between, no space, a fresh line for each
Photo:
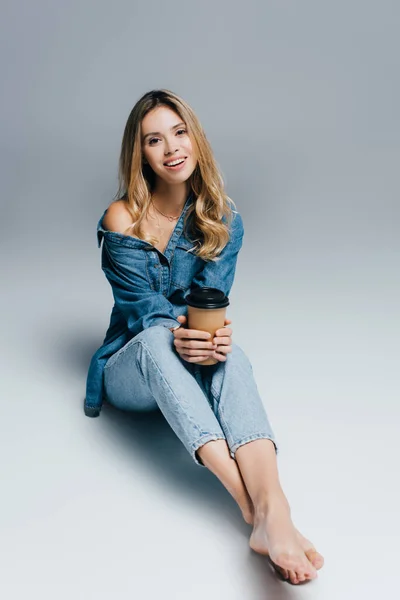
239,357
237,351
155,347
157,337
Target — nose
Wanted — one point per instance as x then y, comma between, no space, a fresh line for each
169,145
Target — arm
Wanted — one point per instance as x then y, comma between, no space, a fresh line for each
141,306
221,274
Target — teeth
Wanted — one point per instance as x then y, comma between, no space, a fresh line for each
175,162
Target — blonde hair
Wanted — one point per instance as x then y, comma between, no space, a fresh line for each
136,179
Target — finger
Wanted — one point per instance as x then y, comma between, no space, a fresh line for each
185,345
198,344
196,334
218,356
194,359
196,352
224,331
222,341
223,350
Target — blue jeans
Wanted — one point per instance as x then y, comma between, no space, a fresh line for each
200,402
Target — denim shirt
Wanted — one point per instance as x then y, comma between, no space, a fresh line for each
149,287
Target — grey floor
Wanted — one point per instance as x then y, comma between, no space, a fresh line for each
113,507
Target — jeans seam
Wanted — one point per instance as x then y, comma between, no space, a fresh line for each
201,441
215,393
169,387
220,411
215,436
119,353
251,438
224,421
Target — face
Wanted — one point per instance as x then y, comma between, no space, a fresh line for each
165,139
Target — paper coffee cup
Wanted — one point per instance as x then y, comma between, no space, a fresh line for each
206,312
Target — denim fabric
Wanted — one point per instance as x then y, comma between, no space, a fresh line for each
149,288
200,402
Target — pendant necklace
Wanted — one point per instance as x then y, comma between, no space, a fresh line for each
170,219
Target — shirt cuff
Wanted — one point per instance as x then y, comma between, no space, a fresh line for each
170,323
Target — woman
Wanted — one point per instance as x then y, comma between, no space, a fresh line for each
172,227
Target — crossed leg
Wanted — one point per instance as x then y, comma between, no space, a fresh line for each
252,479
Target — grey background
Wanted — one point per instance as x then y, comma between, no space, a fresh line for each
300,103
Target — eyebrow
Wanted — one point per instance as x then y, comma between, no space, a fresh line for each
158,133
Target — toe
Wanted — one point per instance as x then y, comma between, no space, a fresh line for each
315,558
293,577
283,573
310,572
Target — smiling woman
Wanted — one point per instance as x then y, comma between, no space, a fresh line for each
159,210
172,228
165,155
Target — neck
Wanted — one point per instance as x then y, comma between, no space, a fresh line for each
170,199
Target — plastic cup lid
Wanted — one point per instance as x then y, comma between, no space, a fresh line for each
207,297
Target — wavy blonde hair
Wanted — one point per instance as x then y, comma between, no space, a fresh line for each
204,218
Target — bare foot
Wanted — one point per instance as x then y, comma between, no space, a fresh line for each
312,554
248,516
290,553
246,506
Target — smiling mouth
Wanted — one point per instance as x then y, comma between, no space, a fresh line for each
179,164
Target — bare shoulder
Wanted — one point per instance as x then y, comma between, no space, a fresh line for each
117,218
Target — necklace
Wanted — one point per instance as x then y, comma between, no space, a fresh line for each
167,216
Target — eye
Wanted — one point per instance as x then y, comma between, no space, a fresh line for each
155,139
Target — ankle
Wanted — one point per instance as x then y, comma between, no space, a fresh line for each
270,503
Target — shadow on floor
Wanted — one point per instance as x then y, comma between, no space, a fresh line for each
150,435
78,351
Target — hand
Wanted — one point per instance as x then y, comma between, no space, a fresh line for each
194,345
